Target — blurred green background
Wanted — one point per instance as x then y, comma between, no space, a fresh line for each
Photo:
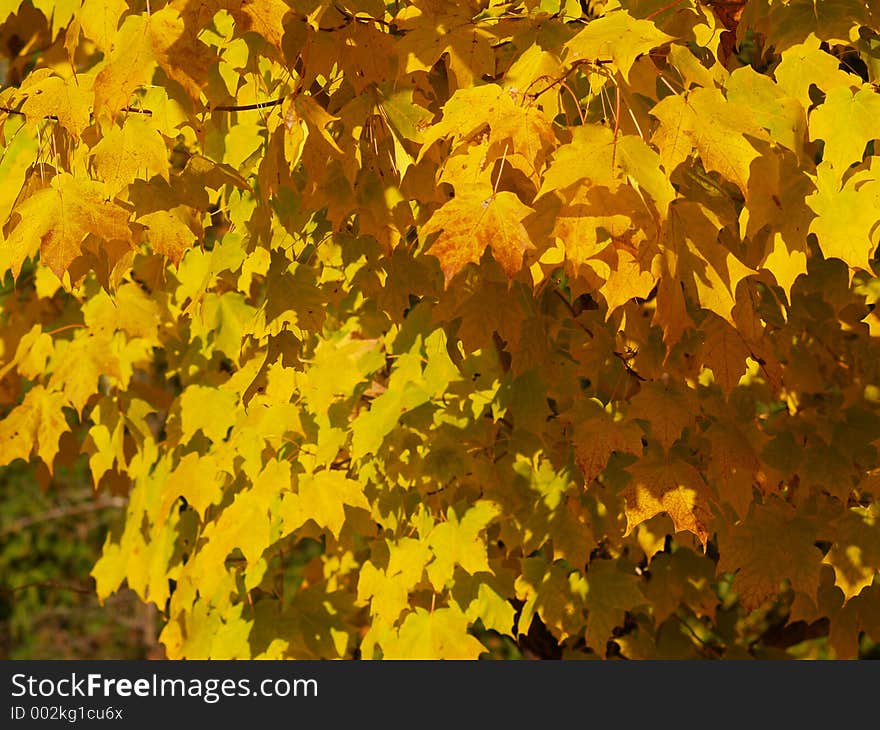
51,533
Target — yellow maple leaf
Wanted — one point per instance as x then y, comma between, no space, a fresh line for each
611,592
855,553
59,218
710,269
99,21
842,110
627,280
459,543
589,157
516,131
857,617
671,313
251,523
438,634
594,217
211,410
337,366
668,408
50,96
846,219
196,479
129,310
597,436
553,591
387,589
724,352
666,484
167,234
142,553
295,134
78,364
264,17
477,219
780,114
179,51
429,35
733,466
720,131
322,497
105,442
618,35
481,599
133,150
681,578
34,425
761,564
129,65
370,50
784,210
318,119
805,65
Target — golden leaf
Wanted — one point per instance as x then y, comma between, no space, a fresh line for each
476,220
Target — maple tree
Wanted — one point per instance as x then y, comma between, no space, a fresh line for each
407,325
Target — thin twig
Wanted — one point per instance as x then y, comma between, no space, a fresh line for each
577,103
349,16
54,118
574,314
625,360
248,107
46,584
58,513
65,327
500,170
616,125
715,651
134,110
657,12
599,63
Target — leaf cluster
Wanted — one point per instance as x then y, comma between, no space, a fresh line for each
408,327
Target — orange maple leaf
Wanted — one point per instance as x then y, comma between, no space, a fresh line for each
472,222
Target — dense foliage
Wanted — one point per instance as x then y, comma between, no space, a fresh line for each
408,327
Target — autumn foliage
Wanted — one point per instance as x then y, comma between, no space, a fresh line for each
409,327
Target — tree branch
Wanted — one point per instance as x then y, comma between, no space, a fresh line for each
149,112
54,118
248,107
58,513
47,584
